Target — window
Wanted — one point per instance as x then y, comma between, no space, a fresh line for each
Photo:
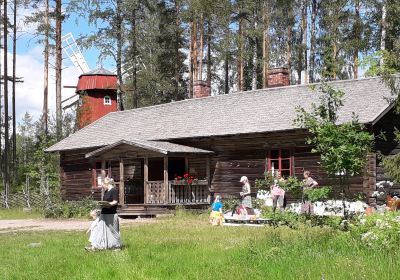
107,100
280,160
96,173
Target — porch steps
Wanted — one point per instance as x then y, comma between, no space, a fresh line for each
141,210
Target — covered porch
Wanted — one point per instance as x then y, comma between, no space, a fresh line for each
157,164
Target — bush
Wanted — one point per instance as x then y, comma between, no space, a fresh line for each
378,231
70,209
229,203
293,186
318,194
294,220
264,184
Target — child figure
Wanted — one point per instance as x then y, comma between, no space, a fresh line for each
95,214
216,216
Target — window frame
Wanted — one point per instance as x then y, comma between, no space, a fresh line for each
280,159
96,172
109,98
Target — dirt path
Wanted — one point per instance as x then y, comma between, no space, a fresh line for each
48,224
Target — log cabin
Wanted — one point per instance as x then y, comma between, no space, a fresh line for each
216,139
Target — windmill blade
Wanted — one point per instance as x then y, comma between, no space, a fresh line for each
74,53
71,98
75,103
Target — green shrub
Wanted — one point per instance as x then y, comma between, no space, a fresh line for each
229,203
318,194
70,209
264,184
292,185
380,232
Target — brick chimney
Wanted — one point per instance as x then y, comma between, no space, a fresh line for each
201,89
278,77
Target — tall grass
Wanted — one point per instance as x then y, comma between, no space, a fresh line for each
186,247
18,213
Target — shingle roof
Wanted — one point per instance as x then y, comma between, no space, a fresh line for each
155,146
99,71
263,110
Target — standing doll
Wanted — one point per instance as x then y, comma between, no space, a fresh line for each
278,194
245,194
95,216
216,216
308,184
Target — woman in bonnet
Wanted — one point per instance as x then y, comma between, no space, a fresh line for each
106,234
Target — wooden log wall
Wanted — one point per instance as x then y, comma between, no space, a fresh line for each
76,174
197,166
387,145
246,155
235,156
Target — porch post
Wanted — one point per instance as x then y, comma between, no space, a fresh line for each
121,182
166,179
146,178
208,172
103,175
186,165
103,169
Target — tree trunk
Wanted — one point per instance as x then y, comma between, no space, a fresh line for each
46,69
254,70
191,57
5,83
304,21
1,118
334,55
209,62
200,76
134,93
195,56
313,40
119,54
265,44
177,40
357,36
383,29
14,134
58,14
241,53
289,44
226,64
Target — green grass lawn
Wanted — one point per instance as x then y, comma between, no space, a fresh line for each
188,248
17,213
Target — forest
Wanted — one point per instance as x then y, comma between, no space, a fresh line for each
160,47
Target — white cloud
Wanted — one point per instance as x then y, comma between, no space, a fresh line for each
29,94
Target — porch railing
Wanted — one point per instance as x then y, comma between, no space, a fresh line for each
177,193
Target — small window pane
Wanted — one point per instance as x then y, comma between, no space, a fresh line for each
285,153
274,164
285,164
107,100
274,154
285,173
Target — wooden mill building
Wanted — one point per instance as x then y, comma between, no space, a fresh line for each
217,139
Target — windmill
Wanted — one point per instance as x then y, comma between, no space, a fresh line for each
74,53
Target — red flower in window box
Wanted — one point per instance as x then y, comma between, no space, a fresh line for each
186,180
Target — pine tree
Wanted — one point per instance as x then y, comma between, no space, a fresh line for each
6,117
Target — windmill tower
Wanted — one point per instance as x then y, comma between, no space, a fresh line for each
96,92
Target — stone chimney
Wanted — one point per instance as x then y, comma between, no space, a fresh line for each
201,89
278,77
